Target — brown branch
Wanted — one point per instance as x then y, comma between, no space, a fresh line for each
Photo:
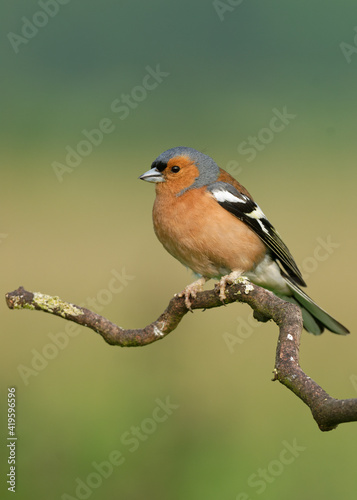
327,411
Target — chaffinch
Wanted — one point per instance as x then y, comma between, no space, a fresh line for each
211,224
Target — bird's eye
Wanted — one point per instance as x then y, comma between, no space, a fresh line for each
175,169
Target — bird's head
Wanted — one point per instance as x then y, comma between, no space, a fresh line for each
180,169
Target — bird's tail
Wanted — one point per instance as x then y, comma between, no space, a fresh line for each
315,319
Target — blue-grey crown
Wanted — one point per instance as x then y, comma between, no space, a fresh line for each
207,167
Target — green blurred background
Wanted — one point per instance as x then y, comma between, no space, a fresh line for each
229,68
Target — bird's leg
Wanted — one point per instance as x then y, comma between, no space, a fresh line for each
228,280
192,290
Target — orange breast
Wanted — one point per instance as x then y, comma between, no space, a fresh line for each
202,235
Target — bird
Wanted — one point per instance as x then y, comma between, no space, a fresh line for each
210,223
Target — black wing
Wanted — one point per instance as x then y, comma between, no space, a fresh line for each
246,210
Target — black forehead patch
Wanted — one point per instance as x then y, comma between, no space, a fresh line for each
159,165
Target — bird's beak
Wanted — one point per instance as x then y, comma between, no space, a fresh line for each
152,175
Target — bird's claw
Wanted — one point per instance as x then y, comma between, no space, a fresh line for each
227,280
191,291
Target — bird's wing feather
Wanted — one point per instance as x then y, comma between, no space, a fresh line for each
246,210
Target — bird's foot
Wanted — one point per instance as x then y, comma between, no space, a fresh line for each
229,279
192,291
